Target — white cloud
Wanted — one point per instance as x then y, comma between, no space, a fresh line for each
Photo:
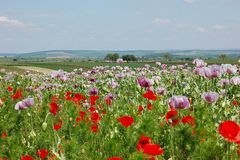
160,21
181,25
217,27
201,29
189,1
5,21
13,23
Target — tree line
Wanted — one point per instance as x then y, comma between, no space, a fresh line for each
115,56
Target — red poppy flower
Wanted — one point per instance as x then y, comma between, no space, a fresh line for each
79,97
104,112
172,117
9,88
126,121
82,114
140,108
150,95
56,127
95,117
69,97
188,119
54,98
108,101
153,149
42,153
54,108
78,119
229,130
115,158
93,99
27,157
92,109
143,142
94,128
237,138
4,135
234,103
17,95
149,106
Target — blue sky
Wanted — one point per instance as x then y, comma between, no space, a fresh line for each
31,25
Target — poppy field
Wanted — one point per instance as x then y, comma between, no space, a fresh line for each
158,112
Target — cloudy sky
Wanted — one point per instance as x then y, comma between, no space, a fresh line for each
33,25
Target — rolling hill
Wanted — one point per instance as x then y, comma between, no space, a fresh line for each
149,54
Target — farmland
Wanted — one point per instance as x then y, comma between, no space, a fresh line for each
117,111
70,64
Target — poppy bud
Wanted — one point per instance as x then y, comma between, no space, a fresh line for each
44,126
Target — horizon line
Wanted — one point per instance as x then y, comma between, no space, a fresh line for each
216,49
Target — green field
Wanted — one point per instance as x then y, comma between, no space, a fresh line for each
70,64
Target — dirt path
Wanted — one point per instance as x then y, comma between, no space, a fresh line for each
35,69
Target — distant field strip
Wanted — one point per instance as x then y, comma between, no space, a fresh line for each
35,69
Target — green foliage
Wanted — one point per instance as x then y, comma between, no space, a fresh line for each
167,56
112,56
129,57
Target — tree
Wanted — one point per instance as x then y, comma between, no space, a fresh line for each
112,56
222,56
167,56
129,57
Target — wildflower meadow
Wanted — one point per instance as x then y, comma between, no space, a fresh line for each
158,112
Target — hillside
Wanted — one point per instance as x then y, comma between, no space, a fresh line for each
149,54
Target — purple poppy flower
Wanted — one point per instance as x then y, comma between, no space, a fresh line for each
164,66
113,84
111,96
235,80
185,66
146,66
199,63
29,89
119,60
120,75
180,102
210,97
85,74
58,73
144,82
199,71
19,105
92,79
93,91
173,68
156,78
158,63
24,103
229,69
223,82
28,102
161,91
39,96
212,71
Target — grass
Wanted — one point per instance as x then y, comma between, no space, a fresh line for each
8,68
70,64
